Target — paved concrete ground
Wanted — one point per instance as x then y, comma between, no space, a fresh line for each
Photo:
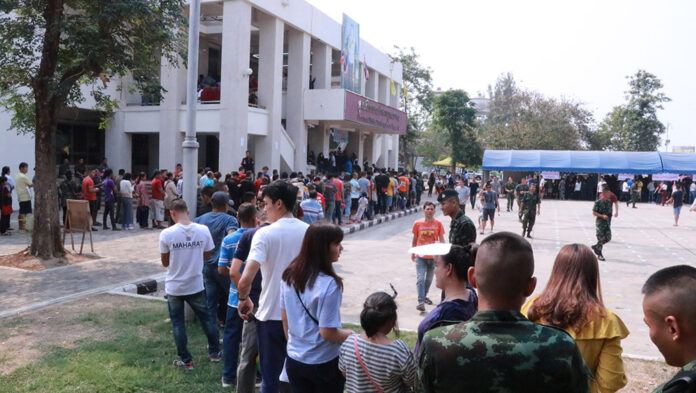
644,241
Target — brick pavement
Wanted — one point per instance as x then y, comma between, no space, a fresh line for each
128,256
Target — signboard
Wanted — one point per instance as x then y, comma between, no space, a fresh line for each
551,175
683,149
339,136
350,55
361,110
665,177
627,176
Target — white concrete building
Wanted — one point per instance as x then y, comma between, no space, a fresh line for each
289,105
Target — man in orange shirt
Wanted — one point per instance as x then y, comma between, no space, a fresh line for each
89,193
403,190
427,230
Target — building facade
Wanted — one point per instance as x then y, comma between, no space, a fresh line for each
271,76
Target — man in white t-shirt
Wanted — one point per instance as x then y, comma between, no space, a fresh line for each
183,248
272,249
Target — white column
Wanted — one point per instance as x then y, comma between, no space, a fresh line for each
361,145
372,85
321,65
298,82
117,143
395,150
395,100
386,141
170,138
326,141
383,92
378,148
270,91
234,83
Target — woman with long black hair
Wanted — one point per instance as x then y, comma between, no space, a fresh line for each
310,302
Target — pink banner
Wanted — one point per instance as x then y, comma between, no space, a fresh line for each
364,111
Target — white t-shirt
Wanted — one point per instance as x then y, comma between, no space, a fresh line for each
624,187
274,247
664,187
599,186
126,188
693,186
185,245
578,185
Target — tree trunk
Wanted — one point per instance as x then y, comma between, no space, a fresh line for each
46,241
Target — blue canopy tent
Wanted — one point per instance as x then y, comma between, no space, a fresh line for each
679,162
573,161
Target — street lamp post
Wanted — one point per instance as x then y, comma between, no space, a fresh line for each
190,144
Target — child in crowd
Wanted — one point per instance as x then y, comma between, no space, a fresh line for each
362,205
479,207
371,361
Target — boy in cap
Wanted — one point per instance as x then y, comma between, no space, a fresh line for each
462,229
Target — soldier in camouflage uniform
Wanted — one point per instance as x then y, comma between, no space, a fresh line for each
669,312
520,190
498,349
602,210
510,192
462,229
530,205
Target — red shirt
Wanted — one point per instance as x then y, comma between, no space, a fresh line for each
339,187
427,233
157,189
257,185
320,198
88,183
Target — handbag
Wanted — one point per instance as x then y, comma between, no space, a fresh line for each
305,307
362,364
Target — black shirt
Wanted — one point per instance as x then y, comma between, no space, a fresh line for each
242,252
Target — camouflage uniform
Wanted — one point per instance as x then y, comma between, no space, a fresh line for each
520,189
529,204
602,206
635,194
679,383
501,351
462,230
510,194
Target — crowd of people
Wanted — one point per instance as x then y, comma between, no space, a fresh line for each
485,335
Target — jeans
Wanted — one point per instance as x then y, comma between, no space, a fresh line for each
272,353
693,196
109,211
126,211
4,223
346,211
216,287
425,268
317,378
370,210
176,314
230,343
329,207
337,216
390,201
141,214
246,371
381,202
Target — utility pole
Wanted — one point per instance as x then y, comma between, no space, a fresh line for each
190,144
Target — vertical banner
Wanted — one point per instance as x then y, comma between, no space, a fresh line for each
350,55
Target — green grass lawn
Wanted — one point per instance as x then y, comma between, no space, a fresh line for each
136,357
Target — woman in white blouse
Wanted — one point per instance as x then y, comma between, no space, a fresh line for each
126,191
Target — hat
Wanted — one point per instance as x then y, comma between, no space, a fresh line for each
447,194
220,198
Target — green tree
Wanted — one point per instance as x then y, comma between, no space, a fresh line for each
455,116
50,48
417,102
519,119
634,126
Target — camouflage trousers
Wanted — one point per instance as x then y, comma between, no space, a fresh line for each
528,220
510,201
603,233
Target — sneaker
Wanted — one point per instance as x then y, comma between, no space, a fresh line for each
594,249
529,236
215,357
601,257
226,384
428,302
420,307
186,365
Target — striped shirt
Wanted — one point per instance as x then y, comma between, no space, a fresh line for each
391,366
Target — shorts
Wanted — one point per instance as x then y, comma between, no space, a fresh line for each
677,210
25,207
94,206
488,214
157,209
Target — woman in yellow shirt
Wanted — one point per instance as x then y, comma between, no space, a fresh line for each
572,301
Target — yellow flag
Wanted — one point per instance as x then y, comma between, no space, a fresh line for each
392,85
405,92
